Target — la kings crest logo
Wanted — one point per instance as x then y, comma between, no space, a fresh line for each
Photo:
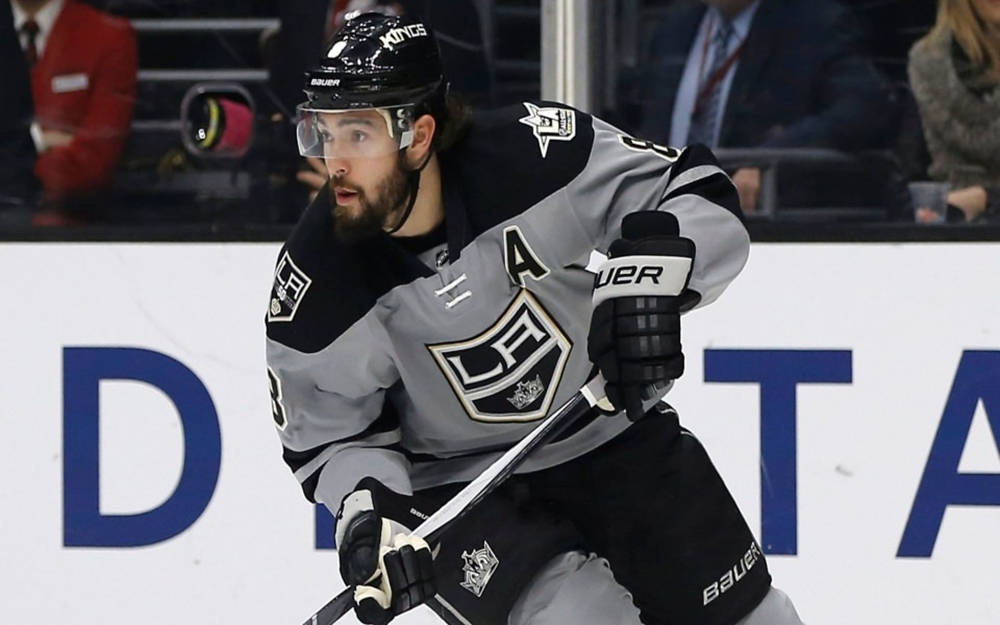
550,123
290,286
509,372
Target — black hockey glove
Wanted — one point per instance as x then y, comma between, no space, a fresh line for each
635,329
392,571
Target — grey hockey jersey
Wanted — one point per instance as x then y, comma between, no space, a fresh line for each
420,370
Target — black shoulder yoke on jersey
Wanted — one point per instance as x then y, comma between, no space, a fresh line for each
344,281
509,160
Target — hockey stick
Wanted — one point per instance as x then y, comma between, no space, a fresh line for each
474,492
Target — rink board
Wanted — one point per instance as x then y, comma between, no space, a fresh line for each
901,342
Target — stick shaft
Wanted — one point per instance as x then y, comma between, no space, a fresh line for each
498,472
476,490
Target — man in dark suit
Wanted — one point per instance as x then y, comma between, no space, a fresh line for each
18,184
762,73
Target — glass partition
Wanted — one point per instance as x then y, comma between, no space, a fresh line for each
239,67
809,106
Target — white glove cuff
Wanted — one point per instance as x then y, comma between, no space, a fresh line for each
354,504
641,276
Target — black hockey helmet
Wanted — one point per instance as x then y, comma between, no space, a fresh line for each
389,63
376,60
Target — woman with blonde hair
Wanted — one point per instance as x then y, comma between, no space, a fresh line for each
955,76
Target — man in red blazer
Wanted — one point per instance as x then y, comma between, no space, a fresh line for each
83,77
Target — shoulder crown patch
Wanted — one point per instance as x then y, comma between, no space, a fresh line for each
290,286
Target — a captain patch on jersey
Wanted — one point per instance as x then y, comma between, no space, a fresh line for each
290,286
511,371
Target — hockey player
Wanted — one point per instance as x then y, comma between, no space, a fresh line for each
434,301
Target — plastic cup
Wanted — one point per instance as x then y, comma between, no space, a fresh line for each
930,202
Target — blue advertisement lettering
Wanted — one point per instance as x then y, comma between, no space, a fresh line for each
325,524
977,379
83,370
778,372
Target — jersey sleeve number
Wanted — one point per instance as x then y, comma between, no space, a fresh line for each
643,145
277,409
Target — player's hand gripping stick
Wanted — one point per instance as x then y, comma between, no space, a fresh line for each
391,570
474,492
635,329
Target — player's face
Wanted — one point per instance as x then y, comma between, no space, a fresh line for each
367,177
988,11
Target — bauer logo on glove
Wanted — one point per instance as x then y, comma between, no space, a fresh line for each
635,328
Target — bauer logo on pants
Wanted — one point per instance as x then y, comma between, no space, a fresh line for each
732,575
509,372
290,286
478,566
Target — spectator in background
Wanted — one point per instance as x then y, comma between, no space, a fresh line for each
763,73
83,75
18,184
955,76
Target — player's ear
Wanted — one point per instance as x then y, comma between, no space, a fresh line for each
424,128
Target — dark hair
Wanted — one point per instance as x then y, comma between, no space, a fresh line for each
452,122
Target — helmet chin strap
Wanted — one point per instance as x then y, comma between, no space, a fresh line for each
412,186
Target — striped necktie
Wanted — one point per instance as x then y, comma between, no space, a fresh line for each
30,30
705,117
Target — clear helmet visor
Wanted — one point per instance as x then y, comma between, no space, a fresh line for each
354,133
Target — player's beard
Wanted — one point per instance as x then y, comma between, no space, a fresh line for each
374,214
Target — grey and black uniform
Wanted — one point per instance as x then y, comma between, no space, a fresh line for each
419,361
